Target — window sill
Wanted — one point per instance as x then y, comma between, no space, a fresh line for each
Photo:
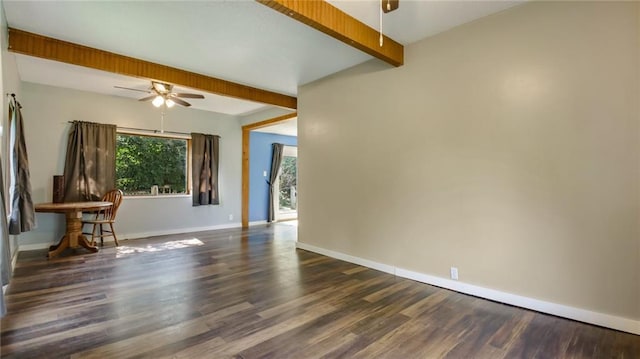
159,196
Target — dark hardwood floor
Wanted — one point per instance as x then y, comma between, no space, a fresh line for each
251,294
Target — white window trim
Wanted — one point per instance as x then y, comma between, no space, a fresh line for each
153,134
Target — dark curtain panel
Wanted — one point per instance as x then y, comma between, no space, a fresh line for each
204,169
22,214
276,160
5,250
90,164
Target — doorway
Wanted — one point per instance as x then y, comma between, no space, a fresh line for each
254,210
286,207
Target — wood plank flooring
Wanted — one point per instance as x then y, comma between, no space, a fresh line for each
251,294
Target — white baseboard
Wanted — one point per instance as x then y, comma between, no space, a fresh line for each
125,236
560,310
257,223
177,231
33,246
348,258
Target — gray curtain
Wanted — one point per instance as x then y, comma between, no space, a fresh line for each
23,216
204,169
5,248
90,164
276,160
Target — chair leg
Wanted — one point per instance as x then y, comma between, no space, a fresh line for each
93,235
101,236
115,239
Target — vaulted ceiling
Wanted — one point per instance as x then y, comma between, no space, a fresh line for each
244,42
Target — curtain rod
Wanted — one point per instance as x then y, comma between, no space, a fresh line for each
152,131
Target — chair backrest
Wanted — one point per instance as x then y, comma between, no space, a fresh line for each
114,196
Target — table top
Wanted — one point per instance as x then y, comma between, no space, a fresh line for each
71,206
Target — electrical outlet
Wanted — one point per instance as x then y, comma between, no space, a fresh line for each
231,217
264,173
454,273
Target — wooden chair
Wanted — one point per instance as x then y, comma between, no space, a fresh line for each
105,216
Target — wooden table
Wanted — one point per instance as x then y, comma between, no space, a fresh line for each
73,213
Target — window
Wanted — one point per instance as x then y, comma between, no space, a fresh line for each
150,165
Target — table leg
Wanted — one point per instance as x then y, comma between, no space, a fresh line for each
73,236
84,242
58,248
74,227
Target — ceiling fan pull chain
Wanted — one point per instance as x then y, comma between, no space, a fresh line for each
162,122
381,38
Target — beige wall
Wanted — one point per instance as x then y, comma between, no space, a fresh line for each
508,147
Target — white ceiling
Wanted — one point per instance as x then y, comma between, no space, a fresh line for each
288,128
416,19
241,41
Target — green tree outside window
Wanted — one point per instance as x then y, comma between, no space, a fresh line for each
146,161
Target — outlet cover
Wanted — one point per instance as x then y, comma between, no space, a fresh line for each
231,217
454,273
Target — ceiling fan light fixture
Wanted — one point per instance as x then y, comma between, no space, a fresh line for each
160,87
161,94
158,101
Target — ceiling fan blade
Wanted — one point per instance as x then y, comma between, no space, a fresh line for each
132,89
180,102
148,98
187,95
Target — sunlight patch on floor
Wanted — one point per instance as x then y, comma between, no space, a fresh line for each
122,251
293,223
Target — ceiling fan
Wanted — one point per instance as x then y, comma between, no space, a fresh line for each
161,94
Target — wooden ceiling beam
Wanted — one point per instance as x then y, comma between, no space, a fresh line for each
334,22
27,43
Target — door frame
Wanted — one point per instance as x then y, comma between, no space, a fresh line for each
286,152
246,129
